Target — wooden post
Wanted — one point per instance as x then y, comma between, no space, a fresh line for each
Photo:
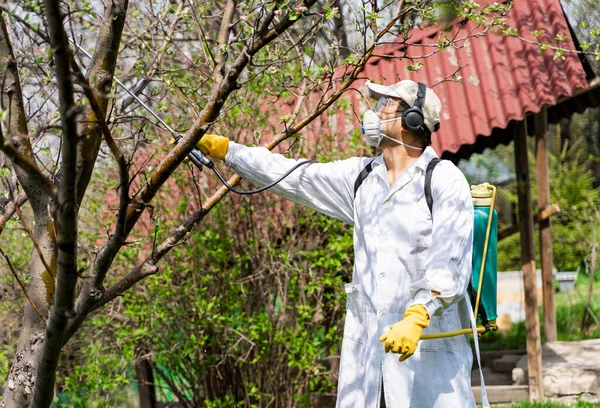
543,197
532,319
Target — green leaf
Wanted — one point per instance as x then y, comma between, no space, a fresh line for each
560,37
559,54
415,67
331,12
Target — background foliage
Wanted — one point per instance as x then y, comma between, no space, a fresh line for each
249,309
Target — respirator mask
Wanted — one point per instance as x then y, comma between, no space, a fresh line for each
372,126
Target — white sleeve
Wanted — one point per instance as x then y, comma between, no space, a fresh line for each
449,259
325,187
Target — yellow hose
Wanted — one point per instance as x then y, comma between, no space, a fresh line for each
480,329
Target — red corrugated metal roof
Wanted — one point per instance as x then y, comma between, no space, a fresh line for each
503,77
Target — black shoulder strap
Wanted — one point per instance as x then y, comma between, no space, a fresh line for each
428,174
362,176
481,313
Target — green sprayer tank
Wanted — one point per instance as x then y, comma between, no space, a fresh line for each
485,232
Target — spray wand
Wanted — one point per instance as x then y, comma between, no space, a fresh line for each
196,156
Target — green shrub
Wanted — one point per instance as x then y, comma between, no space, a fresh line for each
232,318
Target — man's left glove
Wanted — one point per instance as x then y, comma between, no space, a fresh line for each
214,145
403,336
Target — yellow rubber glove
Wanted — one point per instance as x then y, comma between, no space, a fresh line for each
403,336
214,146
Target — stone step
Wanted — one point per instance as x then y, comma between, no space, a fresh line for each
502,393
506,363
569,368
489,357
491,377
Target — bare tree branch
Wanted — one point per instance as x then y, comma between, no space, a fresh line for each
101,71
37,186
25,23
223,40
33,239
37,310
155,63
116,240
210,112
30,168
10,208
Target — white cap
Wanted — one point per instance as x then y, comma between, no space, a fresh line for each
407,91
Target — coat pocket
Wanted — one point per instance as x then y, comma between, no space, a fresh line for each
354,326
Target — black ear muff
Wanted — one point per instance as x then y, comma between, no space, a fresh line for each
413,119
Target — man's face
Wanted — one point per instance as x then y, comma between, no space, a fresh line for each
390,108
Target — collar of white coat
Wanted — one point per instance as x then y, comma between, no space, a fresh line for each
421,163
419,166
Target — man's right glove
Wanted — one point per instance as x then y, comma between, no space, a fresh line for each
214,146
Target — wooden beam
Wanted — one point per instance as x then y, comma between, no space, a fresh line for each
507,232
543,197
532,320
544,214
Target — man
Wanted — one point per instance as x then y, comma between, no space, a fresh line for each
411,266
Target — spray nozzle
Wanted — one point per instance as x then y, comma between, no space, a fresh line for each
195,156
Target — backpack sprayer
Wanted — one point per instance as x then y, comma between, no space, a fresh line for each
484,262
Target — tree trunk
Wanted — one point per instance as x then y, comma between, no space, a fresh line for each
145,378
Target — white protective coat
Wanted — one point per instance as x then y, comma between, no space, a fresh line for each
401,255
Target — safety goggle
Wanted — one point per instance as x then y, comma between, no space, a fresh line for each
388,105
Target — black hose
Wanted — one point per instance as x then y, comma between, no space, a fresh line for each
199,159
259,190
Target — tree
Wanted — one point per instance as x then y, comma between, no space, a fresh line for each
212,62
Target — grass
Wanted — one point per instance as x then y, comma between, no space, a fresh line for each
546,404
569,311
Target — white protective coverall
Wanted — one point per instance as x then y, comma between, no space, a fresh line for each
401,255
